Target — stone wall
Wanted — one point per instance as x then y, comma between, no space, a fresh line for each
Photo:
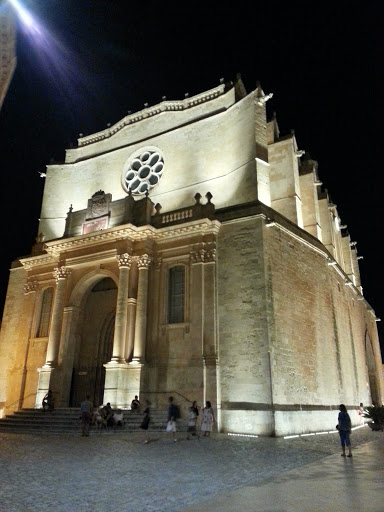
243,328
318,354
14,336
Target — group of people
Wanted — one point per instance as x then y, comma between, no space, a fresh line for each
207,420
105,416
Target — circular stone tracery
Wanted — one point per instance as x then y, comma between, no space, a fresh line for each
143,172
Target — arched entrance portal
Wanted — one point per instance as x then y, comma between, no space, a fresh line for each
95,343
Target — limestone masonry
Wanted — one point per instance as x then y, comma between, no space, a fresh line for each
191,250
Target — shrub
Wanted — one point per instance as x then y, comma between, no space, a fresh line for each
374,413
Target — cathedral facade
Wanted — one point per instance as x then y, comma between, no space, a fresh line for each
191,250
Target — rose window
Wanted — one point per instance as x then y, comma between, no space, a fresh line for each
144,172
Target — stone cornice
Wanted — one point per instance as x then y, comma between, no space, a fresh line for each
37,261
55,248
164,106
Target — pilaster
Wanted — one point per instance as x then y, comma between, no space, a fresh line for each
119,340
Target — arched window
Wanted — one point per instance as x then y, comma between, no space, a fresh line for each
45,313
176,287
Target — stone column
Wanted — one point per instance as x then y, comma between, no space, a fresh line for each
143,263
118,356
116,376
45,373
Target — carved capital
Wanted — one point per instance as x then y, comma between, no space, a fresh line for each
124,260
157,263
30,287
204,255
210,254
61,273
197,256
143,261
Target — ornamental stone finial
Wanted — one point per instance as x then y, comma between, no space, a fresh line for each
61,273
262,100
124,260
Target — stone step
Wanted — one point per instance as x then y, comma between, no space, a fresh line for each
68,421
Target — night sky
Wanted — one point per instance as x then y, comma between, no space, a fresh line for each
93,60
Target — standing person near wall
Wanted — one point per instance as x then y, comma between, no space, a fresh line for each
344,428
48,401
360,412
208,419
86,409
192,420
173,415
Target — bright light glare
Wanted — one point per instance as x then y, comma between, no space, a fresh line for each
24,15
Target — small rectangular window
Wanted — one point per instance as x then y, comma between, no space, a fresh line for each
45,313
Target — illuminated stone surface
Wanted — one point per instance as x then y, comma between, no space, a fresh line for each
276,332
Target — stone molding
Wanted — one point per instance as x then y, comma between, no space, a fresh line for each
124,260
61,273
29,263
164,106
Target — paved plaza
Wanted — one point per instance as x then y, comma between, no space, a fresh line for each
110,471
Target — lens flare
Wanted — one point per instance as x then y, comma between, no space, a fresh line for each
23,14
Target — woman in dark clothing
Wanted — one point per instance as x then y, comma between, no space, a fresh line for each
344,428
192,419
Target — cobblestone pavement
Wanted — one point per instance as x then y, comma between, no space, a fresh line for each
110,471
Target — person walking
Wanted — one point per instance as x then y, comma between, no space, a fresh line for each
173,415
344,428
208,419
86,409
146,419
